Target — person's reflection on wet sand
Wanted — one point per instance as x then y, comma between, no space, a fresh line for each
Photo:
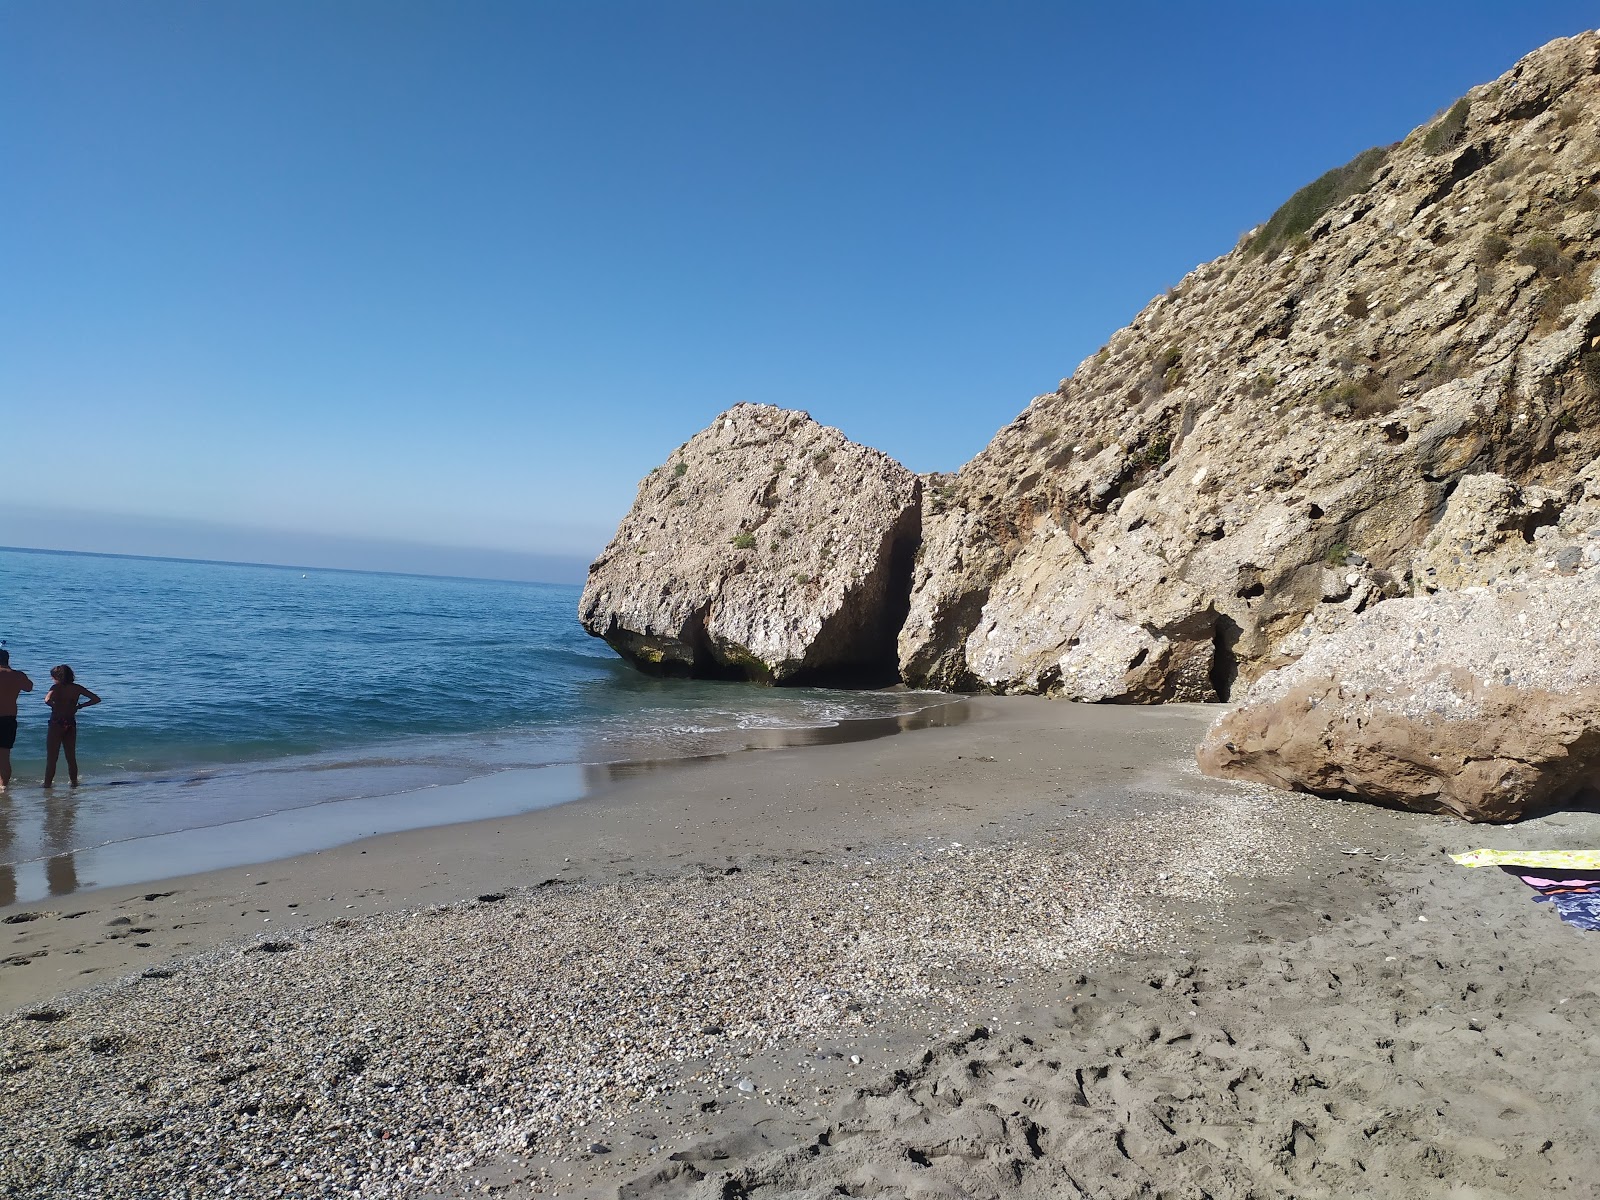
60,820
8,836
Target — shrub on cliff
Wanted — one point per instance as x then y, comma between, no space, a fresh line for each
1544,254
1492,249
1371,396
1303,209
1445,133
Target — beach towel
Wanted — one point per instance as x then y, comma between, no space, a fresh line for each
1572,860
1574,882
1582,910
1567,880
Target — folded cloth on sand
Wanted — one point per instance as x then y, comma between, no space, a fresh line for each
1581,910
1572,860
1567,883
1565,880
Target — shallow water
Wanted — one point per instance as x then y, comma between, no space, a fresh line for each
284,710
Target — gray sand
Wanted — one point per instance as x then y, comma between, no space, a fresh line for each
1033,955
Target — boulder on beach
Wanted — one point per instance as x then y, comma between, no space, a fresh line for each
1483,704
767,547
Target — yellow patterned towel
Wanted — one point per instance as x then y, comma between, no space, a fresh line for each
1577,860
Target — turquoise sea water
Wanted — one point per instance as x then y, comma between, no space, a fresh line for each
254,711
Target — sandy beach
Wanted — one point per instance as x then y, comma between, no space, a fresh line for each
1030,953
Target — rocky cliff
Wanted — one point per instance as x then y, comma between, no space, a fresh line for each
1391,387
1270,445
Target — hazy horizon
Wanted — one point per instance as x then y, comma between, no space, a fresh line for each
120,536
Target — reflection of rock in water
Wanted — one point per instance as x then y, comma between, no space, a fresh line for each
60,820
952,711
8,877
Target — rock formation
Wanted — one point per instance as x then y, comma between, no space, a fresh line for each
1491,529
1391,387
1264,452
767,547
1483,703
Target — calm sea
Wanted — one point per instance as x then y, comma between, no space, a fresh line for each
251,712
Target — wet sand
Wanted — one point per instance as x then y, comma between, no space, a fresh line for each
635,820
1032,954
58,841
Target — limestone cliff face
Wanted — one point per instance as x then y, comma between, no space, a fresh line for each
1391,388
767,547
1269,449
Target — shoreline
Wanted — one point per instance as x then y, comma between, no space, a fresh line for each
640,818
765,920
62,869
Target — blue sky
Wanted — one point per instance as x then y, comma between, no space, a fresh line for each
430,286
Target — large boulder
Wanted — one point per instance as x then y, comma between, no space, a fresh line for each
769,548
1482,703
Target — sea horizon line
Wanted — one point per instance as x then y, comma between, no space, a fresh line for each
233,562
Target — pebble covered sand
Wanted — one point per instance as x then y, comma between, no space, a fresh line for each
382,1056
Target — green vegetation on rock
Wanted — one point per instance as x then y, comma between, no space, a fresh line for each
1446,132
1303,209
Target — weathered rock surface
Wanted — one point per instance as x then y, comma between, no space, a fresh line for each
1100,630
767,547
1391,388
1484,703
1266,452
1492,529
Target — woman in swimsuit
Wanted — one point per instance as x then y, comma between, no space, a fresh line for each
65,698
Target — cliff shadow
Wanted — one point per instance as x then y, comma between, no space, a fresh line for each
1224,656
866,628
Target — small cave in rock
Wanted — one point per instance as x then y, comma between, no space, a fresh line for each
1528,108
1281,322
1471,160
1224,658
1529,526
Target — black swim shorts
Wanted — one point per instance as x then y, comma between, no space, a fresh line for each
8,732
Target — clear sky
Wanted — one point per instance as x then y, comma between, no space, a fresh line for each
430,286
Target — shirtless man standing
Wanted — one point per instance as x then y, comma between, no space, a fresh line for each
12,685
